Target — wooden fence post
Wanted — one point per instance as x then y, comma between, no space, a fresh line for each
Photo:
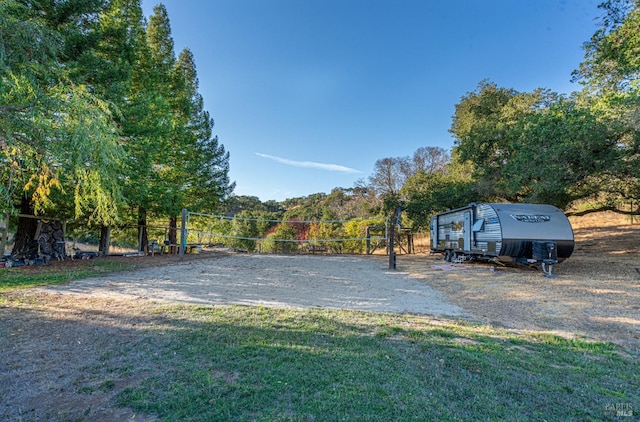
183,233
390,242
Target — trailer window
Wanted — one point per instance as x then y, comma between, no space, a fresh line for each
478,225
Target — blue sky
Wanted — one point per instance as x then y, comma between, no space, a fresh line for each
308,94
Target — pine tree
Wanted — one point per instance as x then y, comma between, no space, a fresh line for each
192,166
207,180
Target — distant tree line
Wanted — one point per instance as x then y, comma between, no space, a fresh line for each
100,121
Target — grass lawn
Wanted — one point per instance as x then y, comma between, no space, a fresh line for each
43,275
246,363
251,363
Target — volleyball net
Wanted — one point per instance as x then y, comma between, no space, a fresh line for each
356,236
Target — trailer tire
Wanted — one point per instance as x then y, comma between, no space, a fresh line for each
447,255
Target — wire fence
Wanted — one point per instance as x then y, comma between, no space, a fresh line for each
285,236
198,231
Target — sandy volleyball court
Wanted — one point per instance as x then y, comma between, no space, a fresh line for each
299,281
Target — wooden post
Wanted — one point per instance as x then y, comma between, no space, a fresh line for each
64,236
140,233
183,233
368,241
391,241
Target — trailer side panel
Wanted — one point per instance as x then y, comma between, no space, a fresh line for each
502,230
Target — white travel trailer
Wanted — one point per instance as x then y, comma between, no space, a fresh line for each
522,233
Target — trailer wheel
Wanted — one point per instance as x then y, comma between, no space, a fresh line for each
447,255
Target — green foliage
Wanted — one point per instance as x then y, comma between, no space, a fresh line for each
482,126
191,165
610,73
245,231
477,124
237,204
428,194
248,226
340,204
267,232
307,208
328,235
358,230
612,55
95,112
542,147
281,239
562,154
55,136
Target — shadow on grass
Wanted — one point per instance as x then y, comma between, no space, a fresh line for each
251,363
246,363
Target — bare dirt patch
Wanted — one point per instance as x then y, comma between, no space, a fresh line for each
51,345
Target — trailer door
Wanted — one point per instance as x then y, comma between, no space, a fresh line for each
466,232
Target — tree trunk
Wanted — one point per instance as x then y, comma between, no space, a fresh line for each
105,239
4,228
25,244
173,235
143,236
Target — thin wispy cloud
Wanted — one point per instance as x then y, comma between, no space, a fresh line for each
309,164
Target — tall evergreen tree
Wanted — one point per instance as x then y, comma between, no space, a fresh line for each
192,164
167,196
141,102
122,70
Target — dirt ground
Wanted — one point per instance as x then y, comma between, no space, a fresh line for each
48,337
